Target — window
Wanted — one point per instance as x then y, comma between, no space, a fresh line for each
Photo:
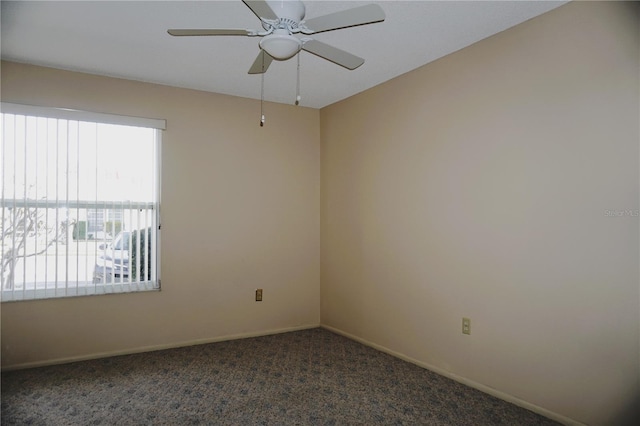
80,203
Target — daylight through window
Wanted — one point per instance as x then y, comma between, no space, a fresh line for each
80,203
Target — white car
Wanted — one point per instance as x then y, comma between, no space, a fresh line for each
112,265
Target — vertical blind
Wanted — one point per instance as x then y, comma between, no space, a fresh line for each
80,203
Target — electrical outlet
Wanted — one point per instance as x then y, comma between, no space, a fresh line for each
466,326
259,295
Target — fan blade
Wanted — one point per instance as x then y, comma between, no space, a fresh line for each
362,15
216,32
261,8
261,63
333,54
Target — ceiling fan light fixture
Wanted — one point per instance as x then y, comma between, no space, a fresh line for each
283,20
281,45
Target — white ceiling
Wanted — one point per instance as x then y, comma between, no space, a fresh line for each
128,39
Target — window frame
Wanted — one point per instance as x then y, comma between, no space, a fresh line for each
158,125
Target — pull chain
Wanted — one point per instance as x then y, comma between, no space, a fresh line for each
298,83
262,93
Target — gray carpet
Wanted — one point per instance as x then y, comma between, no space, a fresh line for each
310,377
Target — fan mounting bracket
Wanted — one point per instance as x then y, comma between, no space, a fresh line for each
288,24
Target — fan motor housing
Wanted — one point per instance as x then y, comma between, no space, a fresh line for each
288,9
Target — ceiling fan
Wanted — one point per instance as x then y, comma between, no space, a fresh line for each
281,19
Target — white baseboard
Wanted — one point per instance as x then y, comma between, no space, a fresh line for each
66,360
479,386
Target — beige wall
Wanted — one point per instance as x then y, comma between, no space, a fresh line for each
240,211
477,186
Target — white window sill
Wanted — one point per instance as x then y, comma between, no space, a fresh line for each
89,290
